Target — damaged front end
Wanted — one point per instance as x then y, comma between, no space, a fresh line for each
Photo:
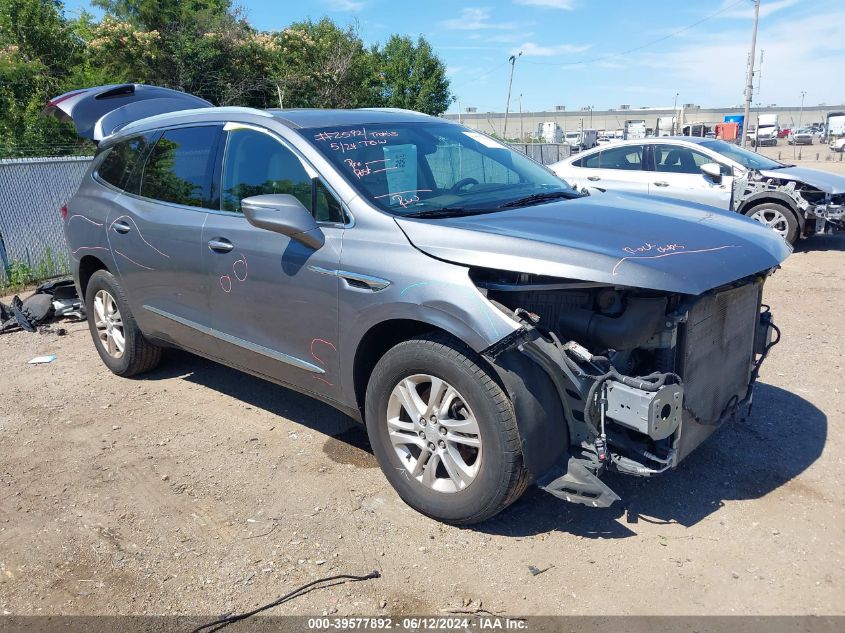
643,376
820,208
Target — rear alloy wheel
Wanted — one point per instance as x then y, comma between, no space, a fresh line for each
443,431
777,217
109,324
120,343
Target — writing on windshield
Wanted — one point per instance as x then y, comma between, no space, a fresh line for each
431,166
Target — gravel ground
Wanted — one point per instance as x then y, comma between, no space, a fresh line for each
199,490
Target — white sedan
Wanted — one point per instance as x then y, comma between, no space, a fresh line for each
794,201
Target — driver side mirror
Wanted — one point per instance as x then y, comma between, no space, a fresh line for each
285,214
712,171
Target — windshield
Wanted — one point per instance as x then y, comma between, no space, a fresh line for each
430,168
746,158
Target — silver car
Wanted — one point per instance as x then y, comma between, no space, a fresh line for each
491,326
794,201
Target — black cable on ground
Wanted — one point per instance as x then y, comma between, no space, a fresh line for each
230,619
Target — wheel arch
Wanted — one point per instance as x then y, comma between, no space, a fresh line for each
374,344
88,265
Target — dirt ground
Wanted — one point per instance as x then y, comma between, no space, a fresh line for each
199,490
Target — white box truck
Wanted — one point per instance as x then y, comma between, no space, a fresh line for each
550,132
665,126
634,128
581,139
766,132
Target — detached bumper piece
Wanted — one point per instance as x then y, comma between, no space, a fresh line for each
579,485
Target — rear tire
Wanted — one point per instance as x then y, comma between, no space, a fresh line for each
470,429
777,217
116,336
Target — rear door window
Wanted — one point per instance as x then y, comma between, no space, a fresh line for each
627,157
179,167
121,160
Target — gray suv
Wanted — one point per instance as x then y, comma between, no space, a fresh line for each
490,325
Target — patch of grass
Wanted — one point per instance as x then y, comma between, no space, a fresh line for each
20,274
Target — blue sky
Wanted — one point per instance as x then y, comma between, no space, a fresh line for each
603,53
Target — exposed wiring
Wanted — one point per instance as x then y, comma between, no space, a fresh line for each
306,588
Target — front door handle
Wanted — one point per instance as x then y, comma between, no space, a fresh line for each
220,245
121,227
661,183
594,178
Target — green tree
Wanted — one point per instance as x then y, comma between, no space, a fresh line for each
412,76
38,49
204,47
319,64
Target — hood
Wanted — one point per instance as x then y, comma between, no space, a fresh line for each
627,240
824,180
98,112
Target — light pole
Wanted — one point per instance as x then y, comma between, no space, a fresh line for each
749,76
674,112
512,60
800,116
521,127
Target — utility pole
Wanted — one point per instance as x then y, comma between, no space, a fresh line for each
460,122
512,60
675,112
800,116
749,78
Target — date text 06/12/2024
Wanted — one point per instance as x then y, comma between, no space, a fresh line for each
481,623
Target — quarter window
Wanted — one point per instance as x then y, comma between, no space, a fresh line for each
255,163
121,160
180,165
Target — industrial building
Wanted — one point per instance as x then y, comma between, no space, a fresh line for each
524,125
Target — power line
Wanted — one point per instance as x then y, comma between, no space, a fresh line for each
640,47
485,74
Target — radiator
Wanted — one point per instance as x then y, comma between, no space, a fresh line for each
717,351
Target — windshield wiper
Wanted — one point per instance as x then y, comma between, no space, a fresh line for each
540,197
446,212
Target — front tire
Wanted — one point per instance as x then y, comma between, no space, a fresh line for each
116,336
444,432
777,217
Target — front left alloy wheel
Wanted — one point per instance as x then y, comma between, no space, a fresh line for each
444,431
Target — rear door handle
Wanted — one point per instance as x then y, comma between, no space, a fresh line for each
594,178
220,245
661,183
121,227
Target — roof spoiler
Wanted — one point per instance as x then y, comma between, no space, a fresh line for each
100,111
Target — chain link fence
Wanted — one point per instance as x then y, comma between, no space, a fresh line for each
543,153
32,190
